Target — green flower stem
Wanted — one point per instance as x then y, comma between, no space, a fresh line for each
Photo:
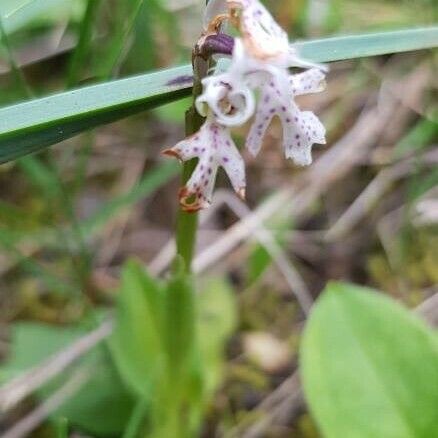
187,223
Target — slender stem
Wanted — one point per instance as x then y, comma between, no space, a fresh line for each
187,223
137,417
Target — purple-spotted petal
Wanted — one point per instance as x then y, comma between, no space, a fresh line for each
262,36
310,81
214,148
300,129
299,135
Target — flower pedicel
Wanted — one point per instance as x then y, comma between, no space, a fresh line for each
260,61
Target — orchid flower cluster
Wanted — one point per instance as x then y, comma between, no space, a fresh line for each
260,62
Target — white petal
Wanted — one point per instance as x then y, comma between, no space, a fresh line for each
262,120
232,162
300,132
300,129
186,149
215,89
314,128
213,146
263,37
228,94
200,185
310,81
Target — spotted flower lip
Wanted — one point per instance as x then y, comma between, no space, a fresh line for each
214,148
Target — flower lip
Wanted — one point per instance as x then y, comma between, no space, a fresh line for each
213,146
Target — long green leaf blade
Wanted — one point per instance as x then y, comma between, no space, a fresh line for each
373,44
31,126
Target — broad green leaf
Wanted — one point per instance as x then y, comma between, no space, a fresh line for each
103,405
136,344
32,343
31,126
369,367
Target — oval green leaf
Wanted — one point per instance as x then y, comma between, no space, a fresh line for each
369,367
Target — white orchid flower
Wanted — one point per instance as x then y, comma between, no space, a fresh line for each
260,61
214,148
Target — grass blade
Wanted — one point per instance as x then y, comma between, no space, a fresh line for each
360,46
17,14
31,126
